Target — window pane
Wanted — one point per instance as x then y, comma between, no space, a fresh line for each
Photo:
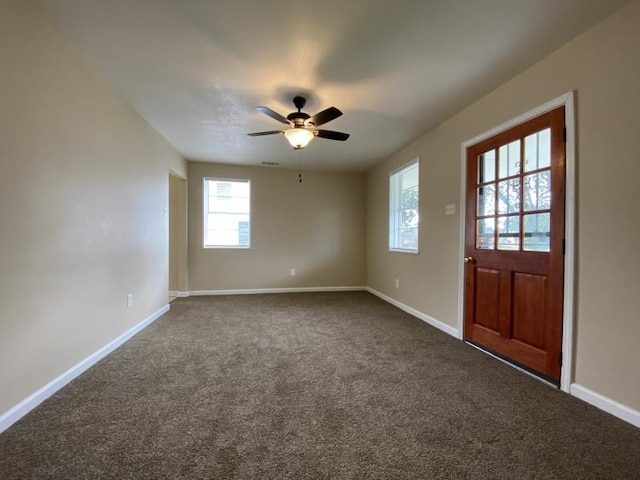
486,200
487,167
409,238
222,189
229,204
227,219
537,191
537,150
404,199
243,233
509,196
485,239
509,233
409,177
537,232
409,197
509,159
228,230
409,217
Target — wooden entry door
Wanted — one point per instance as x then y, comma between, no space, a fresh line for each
514,258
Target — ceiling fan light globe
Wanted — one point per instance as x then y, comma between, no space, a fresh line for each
299,137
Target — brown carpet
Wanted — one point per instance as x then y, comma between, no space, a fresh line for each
310,386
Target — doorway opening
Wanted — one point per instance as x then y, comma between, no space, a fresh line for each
177,237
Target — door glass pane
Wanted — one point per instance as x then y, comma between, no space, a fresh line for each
537,191
537,150
486,200
537,232
509,159
509,233
487,167
485,228
509,196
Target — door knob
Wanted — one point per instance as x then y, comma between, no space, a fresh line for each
468,259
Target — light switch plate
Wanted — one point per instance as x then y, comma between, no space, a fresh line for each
450,209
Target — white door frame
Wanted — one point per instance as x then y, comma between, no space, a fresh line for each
566,100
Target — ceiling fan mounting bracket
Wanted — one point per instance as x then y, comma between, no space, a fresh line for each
299,102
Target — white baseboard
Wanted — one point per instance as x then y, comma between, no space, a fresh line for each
412,311
178,294
608,405
32,401
254,291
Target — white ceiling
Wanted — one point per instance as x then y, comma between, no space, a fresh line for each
195,69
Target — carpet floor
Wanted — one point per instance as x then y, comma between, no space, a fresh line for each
310,386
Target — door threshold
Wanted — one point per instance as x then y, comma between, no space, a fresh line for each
516,365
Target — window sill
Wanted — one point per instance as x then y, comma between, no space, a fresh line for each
399,250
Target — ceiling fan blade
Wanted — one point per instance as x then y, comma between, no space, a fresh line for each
325,116
275,115
259,134
331,135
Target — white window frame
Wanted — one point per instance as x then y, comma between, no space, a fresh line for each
205,211
394,219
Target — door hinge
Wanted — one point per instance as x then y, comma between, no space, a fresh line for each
560,358
564,246
564,134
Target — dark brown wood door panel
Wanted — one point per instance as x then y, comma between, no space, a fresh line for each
514,244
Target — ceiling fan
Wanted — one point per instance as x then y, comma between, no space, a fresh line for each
303,126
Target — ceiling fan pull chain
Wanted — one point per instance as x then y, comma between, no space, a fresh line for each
299,167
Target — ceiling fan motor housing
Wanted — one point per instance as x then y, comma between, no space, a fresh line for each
299,118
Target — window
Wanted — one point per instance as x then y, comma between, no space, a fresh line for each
404,194
227,213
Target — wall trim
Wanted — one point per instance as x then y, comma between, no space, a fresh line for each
178,294
566,100
416,313
32,401
598,400
254,291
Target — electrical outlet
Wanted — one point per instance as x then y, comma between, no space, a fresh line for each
130,300
397,283
293,272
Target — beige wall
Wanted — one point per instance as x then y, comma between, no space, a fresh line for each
83,185
316,227
177,234
603,66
